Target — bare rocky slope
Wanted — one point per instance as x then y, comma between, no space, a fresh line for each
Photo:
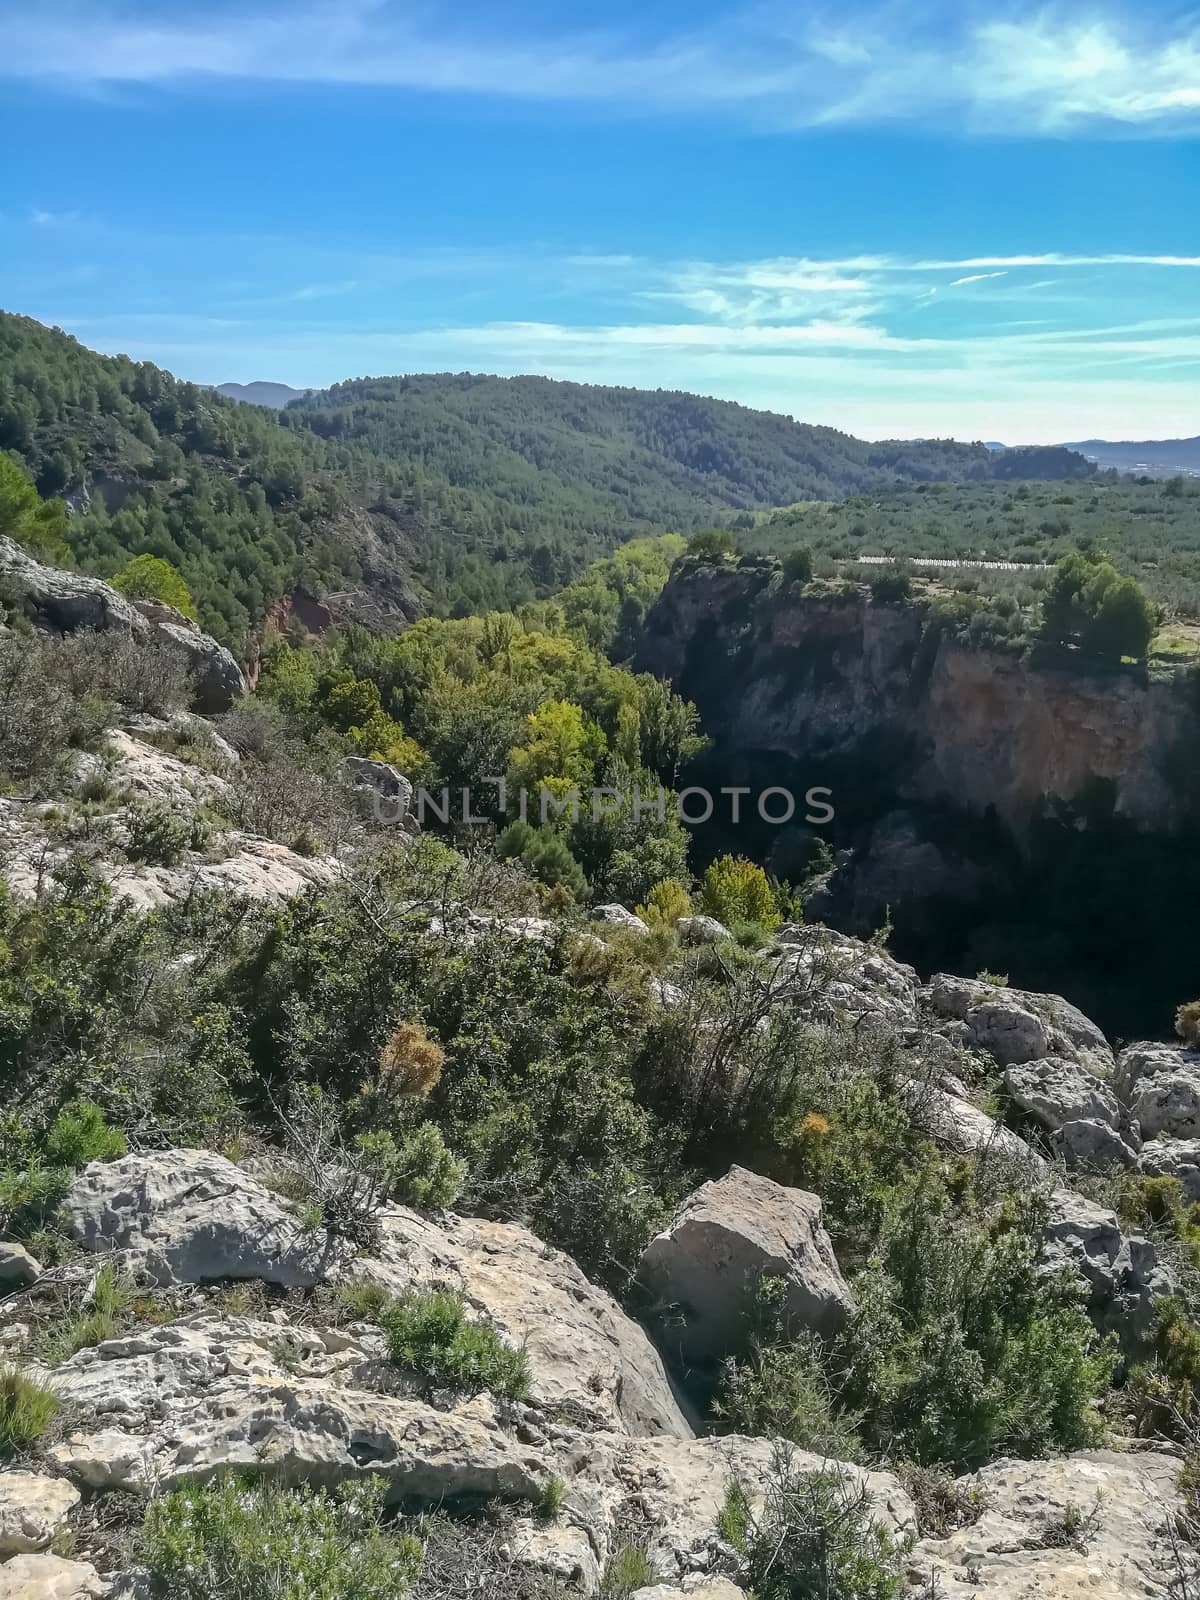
253,1335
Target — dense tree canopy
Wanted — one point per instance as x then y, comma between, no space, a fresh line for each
450,493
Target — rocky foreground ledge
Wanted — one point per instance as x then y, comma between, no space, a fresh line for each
239,1358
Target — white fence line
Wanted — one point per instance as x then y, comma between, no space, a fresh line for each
939,561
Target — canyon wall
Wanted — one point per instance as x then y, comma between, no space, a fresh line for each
1022,811
814,678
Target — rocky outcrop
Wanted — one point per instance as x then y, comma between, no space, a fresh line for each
33,1509
677,1490
192,1217
384,790
955,1124
1018,1025
701,1589
187,1216
180,1402
1149,1059
302,1396
1092,1526
1174,1158
49,1577
827,975
1087,1123
1055,1091
724,1240
1121,1271
17,1266
64,602
249,866
217,679
617,916
700,929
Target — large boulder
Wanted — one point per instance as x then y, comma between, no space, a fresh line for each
1022,1546
217,679
187,1216
618,916
1168,1103
1174,1158
957,1125
699,929
1007,1031
1081,1112
47,1577
1067,1032
33,1509
587,1359
1054,1091
1120,1271
828,976
387,793
724,1240
1147,1058
1093,1145
64,602
18,1268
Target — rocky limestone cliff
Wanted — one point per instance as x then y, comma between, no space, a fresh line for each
815,678
1019,811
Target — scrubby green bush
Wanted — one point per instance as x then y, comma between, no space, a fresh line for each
783,1391
628,1569
1187,1024
240,1540
36,1170
737,892
148,577
27,1408
962,1346
814,1539
545,854
890,585
110,1299
1162,1394
428,1332
798,565
666,903
161,834
712,544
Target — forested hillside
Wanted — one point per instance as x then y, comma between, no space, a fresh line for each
446,493
1151,529
583,458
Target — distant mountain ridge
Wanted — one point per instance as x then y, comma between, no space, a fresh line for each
1167,456
446,492
261,393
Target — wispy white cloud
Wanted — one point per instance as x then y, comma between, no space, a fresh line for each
1022,69
976,277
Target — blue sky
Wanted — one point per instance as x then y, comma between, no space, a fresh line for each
896,218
